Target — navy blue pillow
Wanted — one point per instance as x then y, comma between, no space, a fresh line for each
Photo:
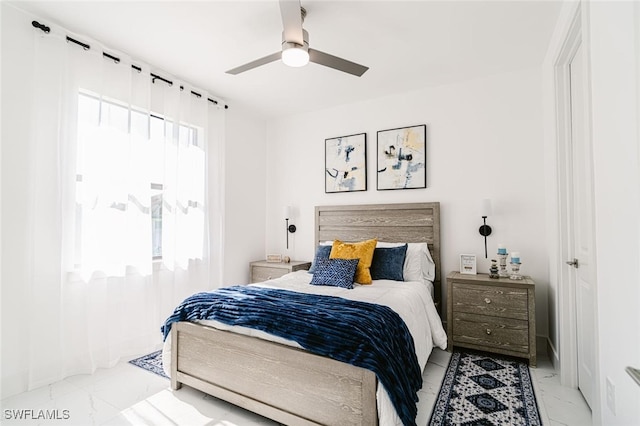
388,263
335,272
322,253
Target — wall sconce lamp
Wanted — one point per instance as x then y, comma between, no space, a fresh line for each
290,228
485,230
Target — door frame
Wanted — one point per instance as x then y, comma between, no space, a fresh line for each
575,36
567,323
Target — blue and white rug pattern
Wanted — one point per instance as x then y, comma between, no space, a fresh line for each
151,362
480,389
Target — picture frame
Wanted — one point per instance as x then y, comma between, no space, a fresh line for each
274,258
345,163
468,264
402,158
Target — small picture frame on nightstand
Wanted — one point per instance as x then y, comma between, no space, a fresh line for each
274,258
468,264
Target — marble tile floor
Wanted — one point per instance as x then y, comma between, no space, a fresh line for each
128,395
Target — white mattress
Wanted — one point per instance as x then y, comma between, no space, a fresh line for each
411,300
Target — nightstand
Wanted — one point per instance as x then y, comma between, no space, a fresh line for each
263,270
492,315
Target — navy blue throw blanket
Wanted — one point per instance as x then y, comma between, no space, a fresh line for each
362,334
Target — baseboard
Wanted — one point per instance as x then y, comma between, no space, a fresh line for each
552,353
13,384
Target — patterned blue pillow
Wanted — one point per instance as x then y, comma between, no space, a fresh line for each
388,263
335,272
322,253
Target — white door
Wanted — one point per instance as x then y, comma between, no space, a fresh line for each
583,244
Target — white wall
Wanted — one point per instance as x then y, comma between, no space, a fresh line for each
484,140
245,198
614,48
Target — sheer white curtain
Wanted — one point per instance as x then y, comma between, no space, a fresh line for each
124,195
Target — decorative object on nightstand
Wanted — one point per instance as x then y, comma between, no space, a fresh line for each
274,258
485,230
502,258
288,210
493,270
515,266
263,270
492,315
286,259
468,264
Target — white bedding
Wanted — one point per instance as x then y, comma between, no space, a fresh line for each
411,300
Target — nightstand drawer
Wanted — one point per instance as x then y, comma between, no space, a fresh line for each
263,273
493,301
492,332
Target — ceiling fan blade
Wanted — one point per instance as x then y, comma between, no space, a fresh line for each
254,64
292,21
336,63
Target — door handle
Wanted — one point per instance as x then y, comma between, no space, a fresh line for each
634,373
573,263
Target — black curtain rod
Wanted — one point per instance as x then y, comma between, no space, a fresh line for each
198,95
115,59
85,46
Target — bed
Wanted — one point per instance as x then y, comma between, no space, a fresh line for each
277,379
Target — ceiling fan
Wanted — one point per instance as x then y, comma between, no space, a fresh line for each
295,46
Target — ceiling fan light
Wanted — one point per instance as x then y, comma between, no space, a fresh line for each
295,57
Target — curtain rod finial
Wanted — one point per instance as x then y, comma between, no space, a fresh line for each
40,26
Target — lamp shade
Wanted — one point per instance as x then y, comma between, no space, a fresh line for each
485,208
287,212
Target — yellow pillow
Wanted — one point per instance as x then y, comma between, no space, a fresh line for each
362,251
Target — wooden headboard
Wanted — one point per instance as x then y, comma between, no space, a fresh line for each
407,223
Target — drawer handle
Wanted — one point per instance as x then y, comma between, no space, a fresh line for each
269,277
488,331
487,300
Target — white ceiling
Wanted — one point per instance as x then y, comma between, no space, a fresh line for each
406,44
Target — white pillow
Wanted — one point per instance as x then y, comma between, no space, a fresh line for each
418,263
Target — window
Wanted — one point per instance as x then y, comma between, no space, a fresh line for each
139,186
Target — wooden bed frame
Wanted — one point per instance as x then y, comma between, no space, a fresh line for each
290,385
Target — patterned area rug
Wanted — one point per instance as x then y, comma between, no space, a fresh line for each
151,362
479,389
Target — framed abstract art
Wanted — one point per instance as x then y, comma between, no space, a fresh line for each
345,165
402,158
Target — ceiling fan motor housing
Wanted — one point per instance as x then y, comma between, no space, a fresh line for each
295,54
286,44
